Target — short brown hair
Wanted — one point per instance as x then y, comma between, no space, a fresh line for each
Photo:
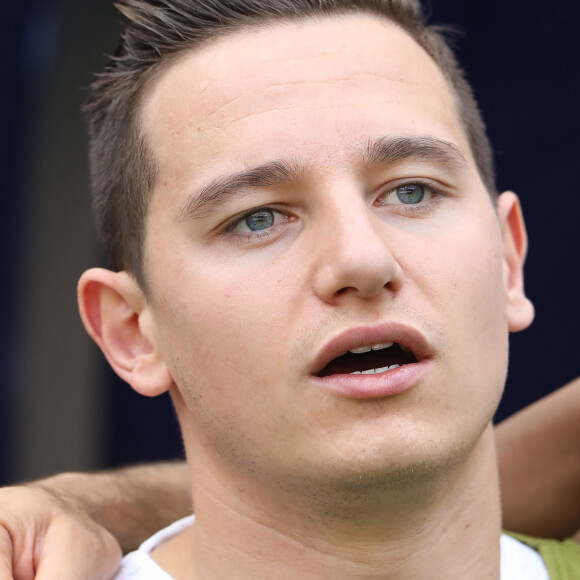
155,33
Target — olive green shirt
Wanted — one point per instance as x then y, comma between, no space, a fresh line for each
561,558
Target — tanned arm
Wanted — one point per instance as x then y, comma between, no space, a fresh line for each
131,503
539,460
75,525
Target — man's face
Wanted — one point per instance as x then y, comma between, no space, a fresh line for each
355,217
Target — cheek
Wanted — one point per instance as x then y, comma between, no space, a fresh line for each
475,310
466,274
219,338
483,285
482,329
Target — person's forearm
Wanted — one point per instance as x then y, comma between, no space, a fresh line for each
132,503
539,460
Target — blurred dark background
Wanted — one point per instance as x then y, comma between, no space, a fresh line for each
60,406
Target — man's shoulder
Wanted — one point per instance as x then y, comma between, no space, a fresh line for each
140,565
561,557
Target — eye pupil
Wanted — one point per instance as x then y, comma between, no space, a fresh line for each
411,193
260,220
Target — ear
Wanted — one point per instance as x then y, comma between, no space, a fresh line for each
116,315
520,310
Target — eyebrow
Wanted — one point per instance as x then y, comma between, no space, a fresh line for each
219,190
382,151
391,150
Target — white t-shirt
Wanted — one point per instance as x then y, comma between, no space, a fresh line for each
140,565
518,561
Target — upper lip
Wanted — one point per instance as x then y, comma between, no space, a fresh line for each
369,335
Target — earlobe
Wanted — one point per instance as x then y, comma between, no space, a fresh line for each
116,315
520,310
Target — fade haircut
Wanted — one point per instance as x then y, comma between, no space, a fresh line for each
156,33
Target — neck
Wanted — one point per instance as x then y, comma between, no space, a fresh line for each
445,528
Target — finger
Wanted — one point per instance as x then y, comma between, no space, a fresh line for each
5,554
89,556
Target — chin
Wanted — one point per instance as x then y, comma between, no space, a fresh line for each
368,469
375,485
414,457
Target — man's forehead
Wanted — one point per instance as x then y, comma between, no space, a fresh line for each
276,56
323,68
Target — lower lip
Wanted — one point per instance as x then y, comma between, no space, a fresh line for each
387,384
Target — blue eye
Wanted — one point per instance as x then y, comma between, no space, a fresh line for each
411,198
259,220
256,221
410,194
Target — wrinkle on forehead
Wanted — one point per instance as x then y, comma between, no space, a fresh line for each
213,114
262,94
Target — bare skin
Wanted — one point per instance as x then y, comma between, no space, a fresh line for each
76,525
539,461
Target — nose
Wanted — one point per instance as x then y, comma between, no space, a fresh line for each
354,256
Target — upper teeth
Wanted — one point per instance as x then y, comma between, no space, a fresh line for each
362,349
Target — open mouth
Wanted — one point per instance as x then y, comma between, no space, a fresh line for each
373,359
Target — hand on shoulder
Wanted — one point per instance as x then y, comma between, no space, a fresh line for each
46,535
